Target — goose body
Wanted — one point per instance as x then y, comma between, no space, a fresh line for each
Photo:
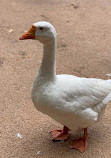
75,102
72,101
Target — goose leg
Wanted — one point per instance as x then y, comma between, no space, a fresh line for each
60,135
81,143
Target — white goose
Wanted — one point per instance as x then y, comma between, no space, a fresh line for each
75,102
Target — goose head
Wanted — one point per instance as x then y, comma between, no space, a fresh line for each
42,31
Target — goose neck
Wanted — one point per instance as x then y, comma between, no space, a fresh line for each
48,67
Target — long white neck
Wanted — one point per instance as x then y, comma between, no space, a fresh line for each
48,65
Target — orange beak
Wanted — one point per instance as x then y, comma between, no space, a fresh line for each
29,34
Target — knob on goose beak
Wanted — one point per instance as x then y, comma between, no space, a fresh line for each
29,34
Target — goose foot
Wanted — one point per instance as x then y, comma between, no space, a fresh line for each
81,143
60,135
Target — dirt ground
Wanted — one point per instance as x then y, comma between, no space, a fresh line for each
84,49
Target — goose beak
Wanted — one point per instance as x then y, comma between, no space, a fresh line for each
29,34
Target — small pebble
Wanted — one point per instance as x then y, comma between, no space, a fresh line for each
74,6
19,135
11,30
38,152
108,75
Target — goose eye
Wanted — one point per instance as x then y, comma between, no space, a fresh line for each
41,28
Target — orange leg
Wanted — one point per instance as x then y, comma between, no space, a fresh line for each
81,143
60,135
